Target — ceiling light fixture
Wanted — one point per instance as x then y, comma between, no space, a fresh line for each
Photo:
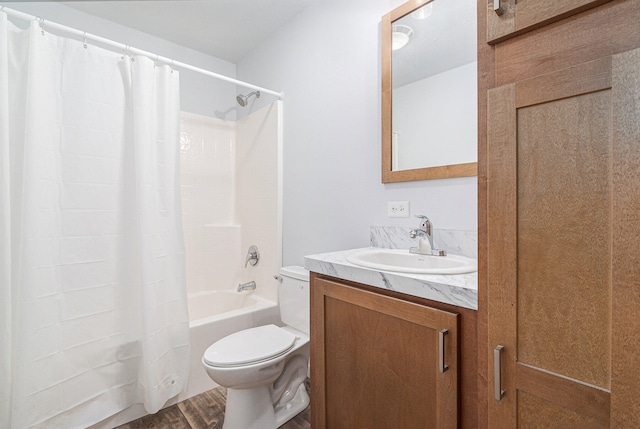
400,36
424,12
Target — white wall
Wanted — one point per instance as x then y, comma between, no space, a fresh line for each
327,63
199,93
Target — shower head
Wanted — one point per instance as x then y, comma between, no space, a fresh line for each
243,99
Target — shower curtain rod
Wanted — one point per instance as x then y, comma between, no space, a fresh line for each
129,50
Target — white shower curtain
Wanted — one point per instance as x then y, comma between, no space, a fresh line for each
93,314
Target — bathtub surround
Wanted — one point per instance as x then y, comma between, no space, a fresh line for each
259,195
231,185
208,188
94,264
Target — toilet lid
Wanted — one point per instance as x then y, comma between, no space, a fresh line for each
249,346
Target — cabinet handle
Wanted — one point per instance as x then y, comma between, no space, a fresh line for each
497,388
442,366
497,8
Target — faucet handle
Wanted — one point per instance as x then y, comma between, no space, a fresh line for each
424,228
253,256
425,223
424,219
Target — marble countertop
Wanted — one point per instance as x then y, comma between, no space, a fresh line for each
458,289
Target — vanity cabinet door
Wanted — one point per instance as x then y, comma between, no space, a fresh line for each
508,18
380,362
563,168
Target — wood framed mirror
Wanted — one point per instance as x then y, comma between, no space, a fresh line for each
429,91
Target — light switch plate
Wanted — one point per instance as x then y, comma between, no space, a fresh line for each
398,209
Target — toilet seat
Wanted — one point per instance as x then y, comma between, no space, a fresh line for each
250,346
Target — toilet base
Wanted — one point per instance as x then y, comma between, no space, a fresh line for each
253,409
286,412
249,409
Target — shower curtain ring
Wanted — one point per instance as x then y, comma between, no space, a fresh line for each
129,53
84,40
41,21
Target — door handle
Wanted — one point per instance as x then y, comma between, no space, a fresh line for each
443,368
497,8
498,393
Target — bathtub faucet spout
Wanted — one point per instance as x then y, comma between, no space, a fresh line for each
246,286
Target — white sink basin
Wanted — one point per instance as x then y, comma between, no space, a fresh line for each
405,262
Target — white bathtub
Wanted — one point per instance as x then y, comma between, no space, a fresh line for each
214,315
207,307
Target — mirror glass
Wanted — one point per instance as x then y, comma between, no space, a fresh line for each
431,90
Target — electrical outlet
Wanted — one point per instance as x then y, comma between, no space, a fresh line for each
398,209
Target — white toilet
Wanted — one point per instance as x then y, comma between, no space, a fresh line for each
264,368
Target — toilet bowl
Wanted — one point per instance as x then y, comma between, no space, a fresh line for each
264,368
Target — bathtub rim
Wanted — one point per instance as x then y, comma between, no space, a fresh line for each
259,303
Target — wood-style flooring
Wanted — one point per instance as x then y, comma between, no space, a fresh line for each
204,411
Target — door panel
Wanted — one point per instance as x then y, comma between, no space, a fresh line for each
563,169
536,413
563,236
367,361
377,363
581,398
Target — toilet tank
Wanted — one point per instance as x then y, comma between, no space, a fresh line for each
293,297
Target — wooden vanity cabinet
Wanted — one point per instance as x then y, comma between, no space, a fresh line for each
376,361
559,195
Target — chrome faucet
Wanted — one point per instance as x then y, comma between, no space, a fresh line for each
425,238
246,286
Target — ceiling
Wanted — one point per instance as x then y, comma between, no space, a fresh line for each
230,29
226,29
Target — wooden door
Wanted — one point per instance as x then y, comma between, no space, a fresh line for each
376,361
563,255
515,17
